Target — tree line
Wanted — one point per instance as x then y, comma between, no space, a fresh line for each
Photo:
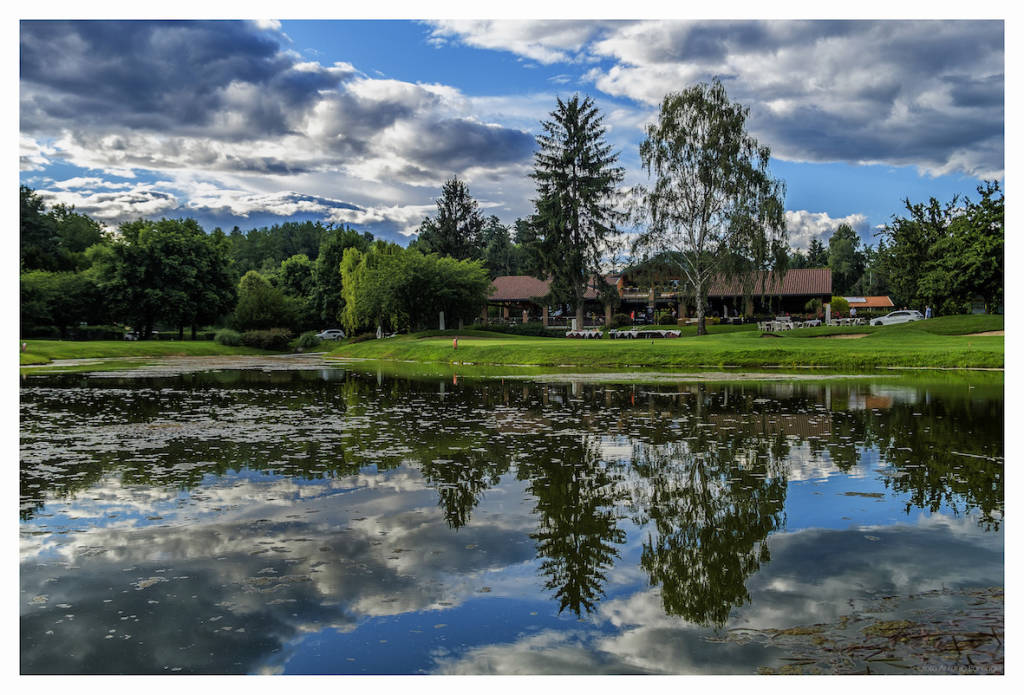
710,208
943,255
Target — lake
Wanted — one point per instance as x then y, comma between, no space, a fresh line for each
356,520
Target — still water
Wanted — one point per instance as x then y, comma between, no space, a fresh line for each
344,521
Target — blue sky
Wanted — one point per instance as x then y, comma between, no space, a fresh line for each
360,122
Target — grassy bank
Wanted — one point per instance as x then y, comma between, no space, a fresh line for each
943,342
44,351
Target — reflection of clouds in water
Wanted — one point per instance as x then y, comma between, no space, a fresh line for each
811,578
804,464
673,650
543,653
276,572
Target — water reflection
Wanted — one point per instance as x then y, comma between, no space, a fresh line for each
577,525
208,523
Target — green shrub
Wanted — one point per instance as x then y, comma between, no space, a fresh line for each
308,340
840,305
226,336
362,337
269,339
41,332
664,318
96,333
534,328
621,320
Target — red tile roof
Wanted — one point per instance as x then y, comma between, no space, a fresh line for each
524,288
518,288
802,282
870,302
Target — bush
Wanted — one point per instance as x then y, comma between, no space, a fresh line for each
269,339
664,318
362,337
840,305
619,320
308,340
41,332
226,336
534,328
96,333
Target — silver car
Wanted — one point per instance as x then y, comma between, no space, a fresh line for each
897,317
331,334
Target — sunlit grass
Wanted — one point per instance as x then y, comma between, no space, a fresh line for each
940,342
42,351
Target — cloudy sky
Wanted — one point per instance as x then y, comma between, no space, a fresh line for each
360,122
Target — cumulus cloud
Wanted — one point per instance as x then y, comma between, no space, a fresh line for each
804,226
116,206
922,93
540,40
223,100
33,155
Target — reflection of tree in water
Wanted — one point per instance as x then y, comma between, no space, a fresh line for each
578,527
947,458
713,501
461,480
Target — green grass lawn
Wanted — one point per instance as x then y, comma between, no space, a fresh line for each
940,342
43,351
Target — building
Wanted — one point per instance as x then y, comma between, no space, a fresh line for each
765,293
883,304
523,297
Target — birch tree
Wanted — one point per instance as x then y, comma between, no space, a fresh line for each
711,193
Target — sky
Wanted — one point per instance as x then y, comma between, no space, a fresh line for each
253,123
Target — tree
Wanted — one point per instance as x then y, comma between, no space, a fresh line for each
62,299
946,255
75,233
295,276
845,258
260,304
577,526
817,254
712,192
37,233
501,256
327,283
456,230
168,270
405,289
577,178
528,243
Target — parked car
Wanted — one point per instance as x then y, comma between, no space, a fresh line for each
897,317
131,336
331,334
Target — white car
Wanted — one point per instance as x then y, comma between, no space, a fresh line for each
897,317
331,334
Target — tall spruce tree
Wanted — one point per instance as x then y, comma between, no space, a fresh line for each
577,179
457,230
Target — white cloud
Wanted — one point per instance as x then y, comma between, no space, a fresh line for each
545,41
406,217
806,226
921,93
